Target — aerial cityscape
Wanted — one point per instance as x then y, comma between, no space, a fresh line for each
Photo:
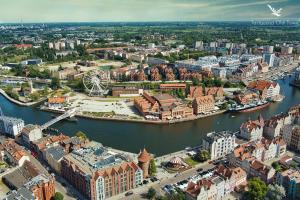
159,100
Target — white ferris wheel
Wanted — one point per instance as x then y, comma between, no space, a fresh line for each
96,82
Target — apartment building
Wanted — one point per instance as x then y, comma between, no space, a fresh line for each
252,129
291,135
234,177
11,126
219,144
206,189
13,153
273,127
31,133
266,89
290,180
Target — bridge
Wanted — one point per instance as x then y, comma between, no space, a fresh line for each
69,113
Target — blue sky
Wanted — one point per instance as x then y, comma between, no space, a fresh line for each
142,10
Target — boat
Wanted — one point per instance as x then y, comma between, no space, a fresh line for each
249,107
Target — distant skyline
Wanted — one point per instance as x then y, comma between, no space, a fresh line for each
143,10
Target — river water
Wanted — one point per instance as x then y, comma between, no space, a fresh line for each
158,139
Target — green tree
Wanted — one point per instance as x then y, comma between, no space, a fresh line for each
179,195
55,83
257,189
180,93
203,156
276,166
151,193
58,196
275,192
196,82
152,167
81,135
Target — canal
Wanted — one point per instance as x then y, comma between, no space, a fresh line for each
158,139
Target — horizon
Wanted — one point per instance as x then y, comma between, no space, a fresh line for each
111,11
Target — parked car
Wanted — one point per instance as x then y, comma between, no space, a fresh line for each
199,170
128,193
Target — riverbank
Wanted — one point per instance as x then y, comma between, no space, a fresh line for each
3,93
80,115
159,139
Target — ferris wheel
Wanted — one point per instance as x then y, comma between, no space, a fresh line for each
96,82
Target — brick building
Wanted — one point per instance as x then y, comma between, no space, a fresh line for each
162,106
144,162
203,104
195,91
119,91
98,173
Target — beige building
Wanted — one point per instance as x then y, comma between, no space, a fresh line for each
203,105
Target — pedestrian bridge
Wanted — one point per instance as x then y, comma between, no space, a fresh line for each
69,113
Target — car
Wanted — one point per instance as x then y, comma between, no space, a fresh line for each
128,193
145,182
63,184
153,179
199,170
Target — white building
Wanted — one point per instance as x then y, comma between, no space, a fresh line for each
31,133
249,58
287,50
219,72
219,144
268,49
269,58
252,130
151,46
199,45
11,126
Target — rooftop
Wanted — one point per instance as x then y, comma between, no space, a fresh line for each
56,152
211,137
14,121
20,194
94,157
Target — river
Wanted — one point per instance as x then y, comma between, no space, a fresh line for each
158,139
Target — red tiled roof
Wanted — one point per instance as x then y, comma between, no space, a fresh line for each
261,85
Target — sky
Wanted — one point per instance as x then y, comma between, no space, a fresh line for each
143,10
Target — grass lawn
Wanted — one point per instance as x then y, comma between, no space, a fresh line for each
3,189
99,114
191,162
